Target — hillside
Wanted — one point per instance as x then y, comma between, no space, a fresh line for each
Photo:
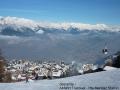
106,79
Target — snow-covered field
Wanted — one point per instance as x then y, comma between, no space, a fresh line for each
106,80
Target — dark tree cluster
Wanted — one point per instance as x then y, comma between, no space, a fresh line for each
116,62
4,75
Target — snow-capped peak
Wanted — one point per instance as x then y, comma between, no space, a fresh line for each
19,23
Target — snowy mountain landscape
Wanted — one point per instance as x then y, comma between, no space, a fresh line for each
107,80
69,42
57,41
60,45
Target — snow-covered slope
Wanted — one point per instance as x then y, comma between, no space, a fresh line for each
105,80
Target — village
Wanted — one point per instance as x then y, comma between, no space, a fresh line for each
22,70
25,70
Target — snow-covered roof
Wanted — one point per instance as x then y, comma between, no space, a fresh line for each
57,74
58,66
13,70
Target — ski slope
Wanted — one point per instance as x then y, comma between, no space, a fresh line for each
103,79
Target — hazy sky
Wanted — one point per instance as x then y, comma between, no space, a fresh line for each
85,11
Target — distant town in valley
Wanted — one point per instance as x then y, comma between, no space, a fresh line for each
25,70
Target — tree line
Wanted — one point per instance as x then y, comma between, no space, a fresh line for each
5,76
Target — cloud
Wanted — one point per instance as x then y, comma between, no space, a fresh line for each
14,40
10,39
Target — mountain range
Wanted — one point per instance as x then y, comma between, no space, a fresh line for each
68,41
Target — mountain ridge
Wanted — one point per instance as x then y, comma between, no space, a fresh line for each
19,26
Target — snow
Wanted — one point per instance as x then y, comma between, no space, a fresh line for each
19,76
99,79
57,74
22,22
18,21
109,68
40,31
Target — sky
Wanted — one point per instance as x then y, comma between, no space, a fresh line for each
84,11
